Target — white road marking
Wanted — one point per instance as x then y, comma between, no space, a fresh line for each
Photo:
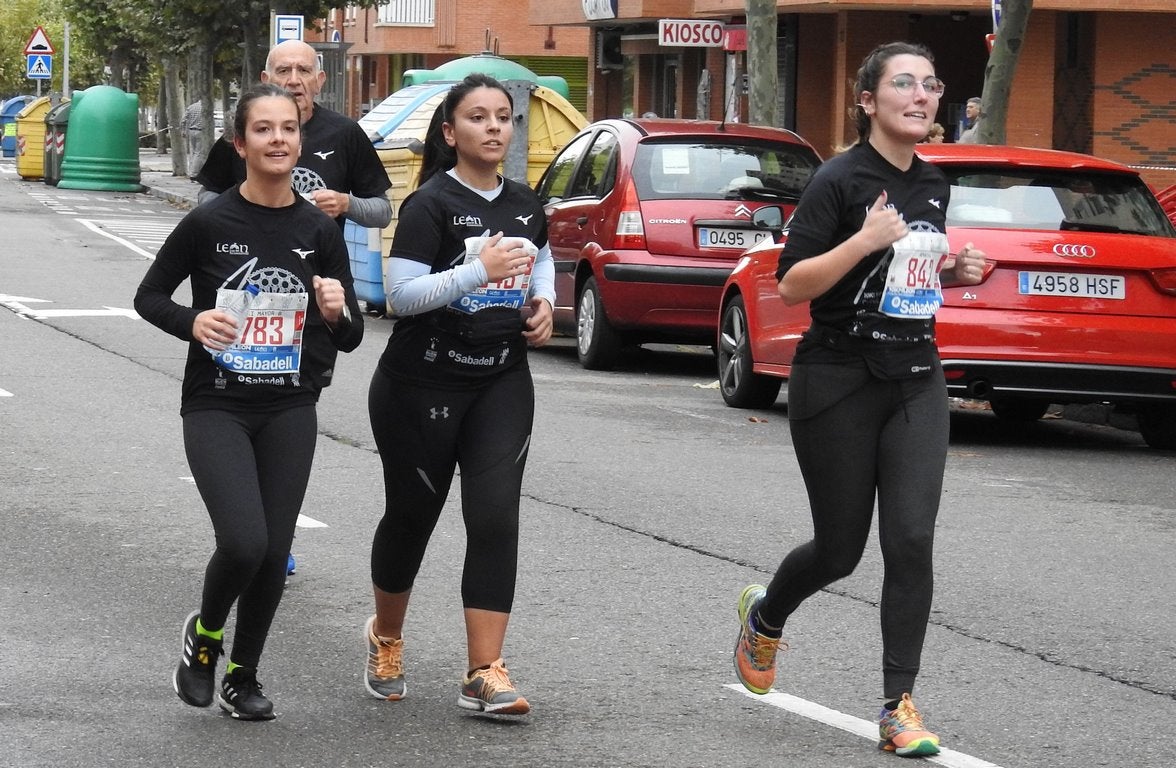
5,393
854,725
46,314
96,227
5,299
17,305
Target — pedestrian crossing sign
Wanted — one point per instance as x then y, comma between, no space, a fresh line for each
40,67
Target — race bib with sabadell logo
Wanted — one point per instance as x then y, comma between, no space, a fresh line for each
271,337
912,290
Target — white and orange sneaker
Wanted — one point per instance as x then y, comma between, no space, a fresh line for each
384,672
902,732
490,690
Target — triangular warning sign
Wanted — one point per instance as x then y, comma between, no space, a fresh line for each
38,43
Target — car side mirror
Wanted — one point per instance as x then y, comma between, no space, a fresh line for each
769,217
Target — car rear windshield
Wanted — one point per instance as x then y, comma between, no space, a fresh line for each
1054,200
714,170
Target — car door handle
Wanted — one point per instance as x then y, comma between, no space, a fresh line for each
581,221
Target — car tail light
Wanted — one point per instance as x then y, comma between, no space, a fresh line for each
1165,280
630,230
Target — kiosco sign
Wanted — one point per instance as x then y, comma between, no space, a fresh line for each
696,33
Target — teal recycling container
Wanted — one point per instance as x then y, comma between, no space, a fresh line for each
102,150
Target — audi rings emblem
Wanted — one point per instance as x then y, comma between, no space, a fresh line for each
1071,249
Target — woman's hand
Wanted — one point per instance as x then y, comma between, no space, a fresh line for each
330,297
539,325
330,202
882,227
504,257
969,265
215,329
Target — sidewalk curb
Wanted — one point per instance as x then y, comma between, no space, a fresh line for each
170,196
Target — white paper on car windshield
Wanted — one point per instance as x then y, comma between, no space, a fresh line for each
675,161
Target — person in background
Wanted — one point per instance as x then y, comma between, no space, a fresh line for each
867,408
472,283
251,382
973,113
339,170
194,128
935,135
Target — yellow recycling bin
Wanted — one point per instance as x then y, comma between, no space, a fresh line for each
30,139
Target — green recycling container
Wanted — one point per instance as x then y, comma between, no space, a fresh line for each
103,147
56,121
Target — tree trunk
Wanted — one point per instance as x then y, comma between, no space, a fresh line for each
175,115
763,82
161,135
252,63
200,85
1002,65
118,60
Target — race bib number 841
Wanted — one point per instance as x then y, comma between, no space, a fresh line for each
912,288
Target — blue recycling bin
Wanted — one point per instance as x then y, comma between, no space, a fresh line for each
9,109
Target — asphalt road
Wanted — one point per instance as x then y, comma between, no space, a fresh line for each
647,506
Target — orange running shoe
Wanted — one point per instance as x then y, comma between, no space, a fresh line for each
490,690
755,654
901,731
384,672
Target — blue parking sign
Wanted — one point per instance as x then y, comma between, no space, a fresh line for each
40,66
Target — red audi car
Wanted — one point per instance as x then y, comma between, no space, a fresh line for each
646,218
1078,303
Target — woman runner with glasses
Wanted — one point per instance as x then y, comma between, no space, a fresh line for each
867,405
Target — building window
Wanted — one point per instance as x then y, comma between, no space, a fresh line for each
414,13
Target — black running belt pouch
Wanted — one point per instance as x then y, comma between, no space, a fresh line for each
487,326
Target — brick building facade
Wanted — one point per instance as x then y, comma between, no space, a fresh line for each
1094,76
382,43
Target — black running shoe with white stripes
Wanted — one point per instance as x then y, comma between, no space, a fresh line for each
240,695
195,675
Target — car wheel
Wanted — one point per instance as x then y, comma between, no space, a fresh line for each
1018,409
1157,424
741,387
597,343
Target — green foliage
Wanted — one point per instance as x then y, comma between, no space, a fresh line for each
133,36
17,23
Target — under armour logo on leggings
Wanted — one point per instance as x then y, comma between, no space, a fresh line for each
443,413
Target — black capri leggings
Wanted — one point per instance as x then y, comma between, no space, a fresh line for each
251,470
423,434
884,439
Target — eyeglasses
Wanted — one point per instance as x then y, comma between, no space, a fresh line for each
905,84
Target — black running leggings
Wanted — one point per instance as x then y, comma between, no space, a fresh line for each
423,434
885,438
251,470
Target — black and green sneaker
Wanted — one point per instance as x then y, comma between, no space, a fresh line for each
240,695
195,675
